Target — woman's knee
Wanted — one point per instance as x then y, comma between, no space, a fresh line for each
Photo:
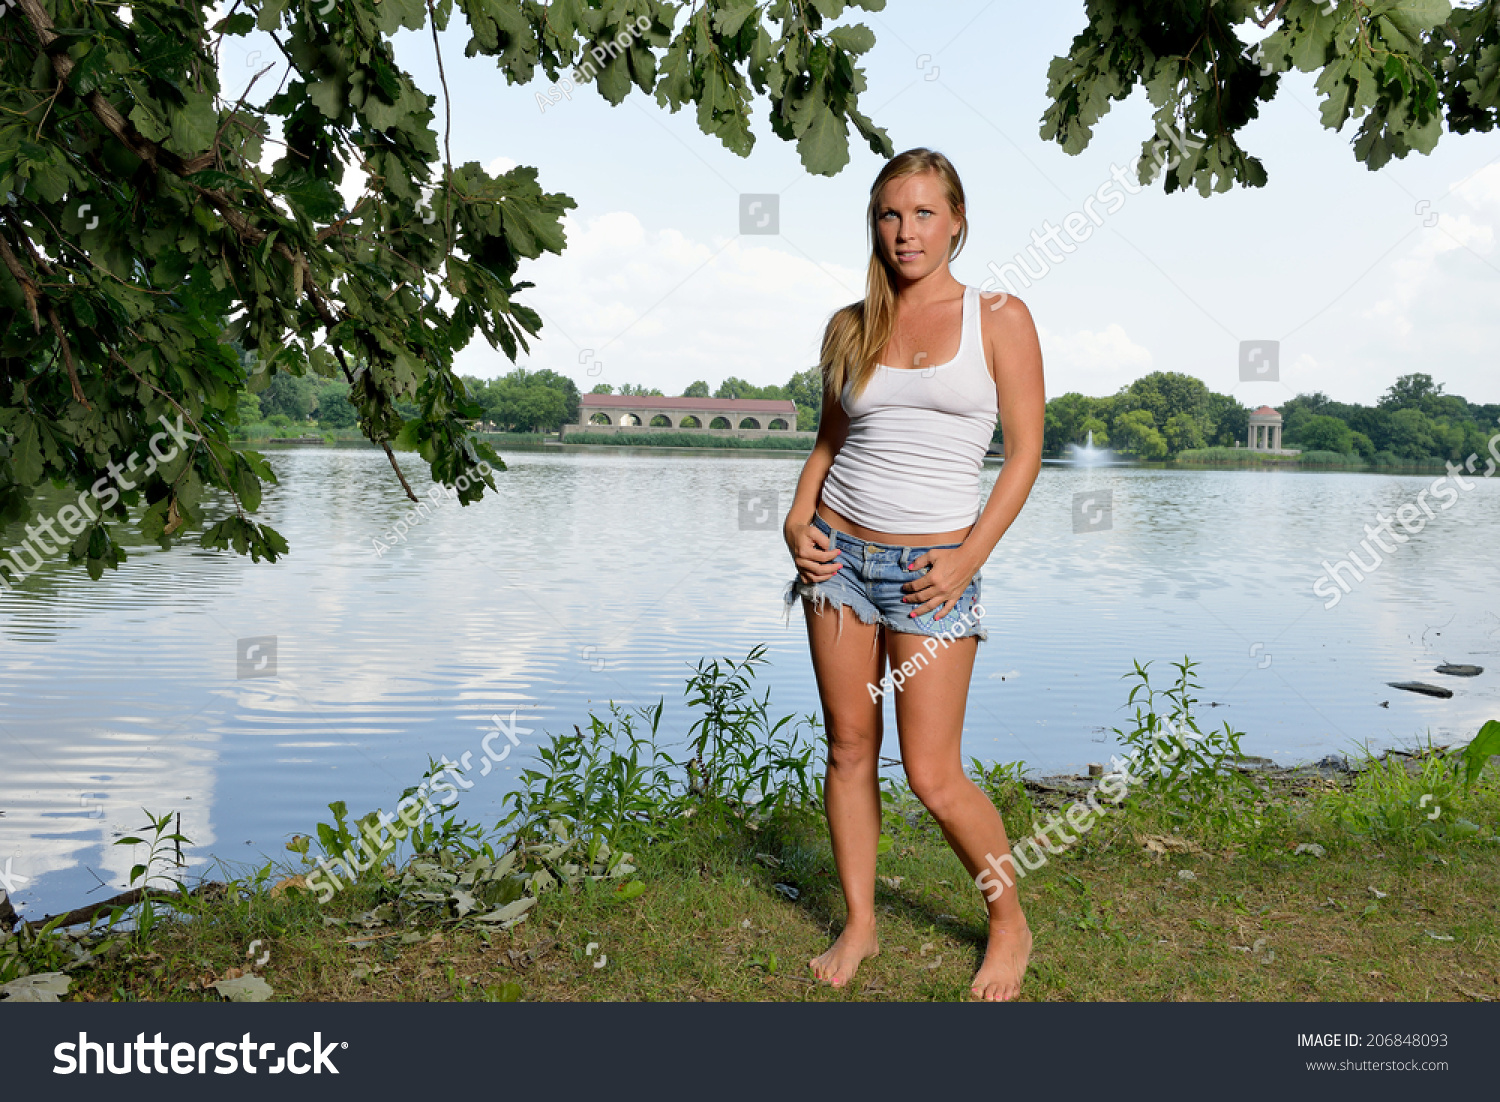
853,748
940,790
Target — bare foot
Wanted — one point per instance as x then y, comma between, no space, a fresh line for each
838,965
999,977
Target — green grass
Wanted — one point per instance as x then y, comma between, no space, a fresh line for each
1112,920
1245,457
711,878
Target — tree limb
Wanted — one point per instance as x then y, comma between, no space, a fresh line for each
330,320
158,157
28,288
203,436
1266,22
116,123
127,899
68,361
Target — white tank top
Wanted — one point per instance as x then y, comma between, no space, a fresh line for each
917,437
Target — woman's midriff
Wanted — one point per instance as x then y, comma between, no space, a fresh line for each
841,523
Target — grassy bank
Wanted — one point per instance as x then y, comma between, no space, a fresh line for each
260,434
1309,460
1246,457
621,873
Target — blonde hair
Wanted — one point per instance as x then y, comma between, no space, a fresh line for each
857,332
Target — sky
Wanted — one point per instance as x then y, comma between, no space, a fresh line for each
1359,276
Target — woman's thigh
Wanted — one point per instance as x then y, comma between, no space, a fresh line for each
848,659
930,704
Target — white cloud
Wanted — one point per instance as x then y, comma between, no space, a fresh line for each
661,308
1482,189
1093,363
1438,290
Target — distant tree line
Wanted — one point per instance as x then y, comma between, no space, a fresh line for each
1413,420
1164,413
1154,418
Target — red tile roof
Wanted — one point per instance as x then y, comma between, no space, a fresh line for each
1266,411
726,405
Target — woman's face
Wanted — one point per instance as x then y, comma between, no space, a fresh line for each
916,227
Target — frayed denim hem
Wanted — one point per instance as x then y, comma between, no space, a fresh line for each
797,590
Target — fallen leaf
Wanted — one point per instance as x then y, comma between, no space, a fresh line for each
509,914
291,883
629,890
245,989
1169,843
43,987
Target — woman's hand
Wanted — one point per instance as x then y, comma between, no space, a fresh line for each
813,552
949,571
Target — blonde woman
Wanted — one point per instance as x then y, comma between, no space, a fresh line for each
887,535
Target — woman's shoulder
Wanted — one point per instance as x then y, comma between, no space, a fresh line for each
1003,315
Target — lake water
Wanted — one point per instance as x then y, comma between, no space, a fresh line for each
596,576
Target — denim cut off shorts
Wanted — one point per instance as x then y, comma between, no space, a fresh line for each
870,584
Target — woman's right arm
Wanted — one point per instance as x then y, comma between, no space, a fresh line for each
810,553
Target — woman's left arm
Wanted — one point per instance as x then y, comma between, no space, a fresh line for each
1011,345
